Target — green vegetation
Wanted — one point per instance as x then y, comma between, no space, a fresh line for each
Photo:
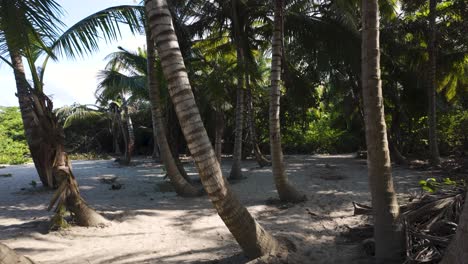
13,146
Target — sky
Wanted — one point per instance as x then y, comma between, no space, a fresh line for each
69,81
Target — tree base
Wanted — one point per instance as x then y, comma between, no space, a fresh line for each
287,193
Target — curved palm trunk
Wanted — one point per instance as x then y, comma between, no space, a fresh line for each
261,160
432,122
388,232
130,143
253,239
181,186
286,191
46,138
457,251
41,151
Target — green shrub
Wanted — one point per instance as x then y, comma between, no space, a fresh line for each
13,146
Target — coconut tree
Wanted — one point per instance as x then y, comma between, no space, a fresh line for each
253,239
26,27
431,91
181,185
388,232
286,191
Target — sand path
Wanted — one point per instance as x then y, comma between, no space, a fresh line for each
151,226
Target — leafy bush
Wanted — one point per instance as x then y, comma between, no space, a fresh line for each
13,146
452,128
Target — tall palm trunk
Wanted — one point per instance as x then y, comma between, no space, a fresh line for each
286,191
388,233
236,172
130,143
46,139
115,134
181,186
253,239
431,91
261,160
457,251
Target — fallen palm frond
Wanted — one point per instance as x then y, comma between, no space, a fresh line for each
430,221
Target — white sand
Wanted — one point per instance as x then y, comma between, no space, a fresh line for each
149,226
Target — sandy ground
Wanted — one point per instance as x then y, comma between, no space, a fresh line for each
151,225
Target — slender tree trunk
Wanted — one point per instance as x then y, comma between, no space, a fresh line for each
261,160
41,151
173,138
286,191
124,133
388,234
253,239
115,134
432,122
236,172
181,186
219,134
130,144
457,251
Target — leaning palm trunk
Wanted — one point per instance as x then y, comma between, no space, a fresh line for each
457,251
40,147
181,186
286,191
46,135
388,233
432,122
253,239
261,160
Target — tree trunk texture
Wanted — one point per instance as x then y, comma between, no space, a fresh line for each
219,131
457,251
173,137
46,139
388,234
124,135
115,134
9,256
261,160
431,91
286,191
180,184
253,239
130,144
236,172
33,111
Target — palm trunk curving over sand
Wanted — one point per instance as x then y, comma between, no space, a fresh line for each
286,191
181,186
253,239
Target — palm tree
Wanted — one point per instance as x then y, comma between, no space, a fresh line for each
253,239
388,232
25,27
286,191
432,122
181,185
236,172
